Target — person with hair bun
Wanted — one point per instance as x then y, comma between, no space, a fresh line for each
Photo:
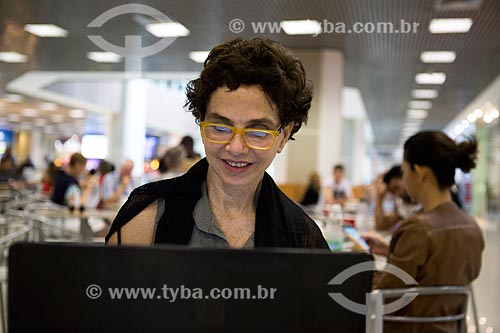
442,245
252,96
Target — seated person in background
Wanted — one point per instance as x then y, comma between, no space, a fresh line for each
8,174
67,190
191,156
392,184
115,185
340,190
49,178
441,245
250,99
311,196
174,159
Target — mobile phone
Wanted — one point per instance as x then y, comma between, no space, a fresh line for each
355,237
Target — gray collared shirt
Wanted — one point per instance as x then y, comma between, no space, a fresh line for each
206,231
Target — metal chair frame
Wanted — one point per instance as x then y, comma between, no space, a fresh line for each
375,316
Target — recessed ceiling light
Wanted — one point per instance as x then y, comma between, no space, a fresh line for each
478,113
420,105
48,106
301,27
465,123
29,112
417,114
104,57
424,93
46,30
450,25
77,113
167,29
430,78
199,56
13,57
438,56
495,113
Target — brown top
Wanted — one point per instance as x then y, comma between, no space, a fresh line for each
439,247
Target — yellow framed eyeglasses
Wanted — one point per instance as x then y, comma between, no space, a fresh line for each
252,137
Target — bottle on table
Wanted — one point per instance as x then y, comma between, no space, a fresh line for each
333,232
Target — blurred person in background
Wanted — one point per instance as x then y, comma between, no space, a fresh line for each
250,99
311,196
67,190
440,246
8,167
188,143
172,162
49,177
390,187
340,189
191,156
117,184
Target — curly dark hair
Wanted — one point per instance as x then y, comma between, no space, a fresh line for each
260,62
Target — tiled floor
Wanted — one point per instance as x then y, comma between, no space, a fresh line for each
487,286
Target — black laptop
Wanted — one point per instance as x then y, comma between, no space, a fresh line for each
85,288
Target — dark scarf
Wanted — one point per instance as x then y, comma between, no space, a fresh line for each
279,222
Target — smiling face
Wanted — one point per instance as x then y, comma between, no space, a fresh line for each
234,164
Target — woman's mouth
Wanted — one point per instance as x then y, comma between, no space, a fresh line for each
237,164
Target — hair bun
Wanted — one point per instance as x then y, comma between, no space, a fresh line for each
466,155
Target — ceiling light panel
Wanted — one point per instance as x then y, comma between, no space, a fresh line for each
301,27
450,25
198,56
430,78
424,93
438,56
46,30
420,105
13,57
107,57
417,114
167,29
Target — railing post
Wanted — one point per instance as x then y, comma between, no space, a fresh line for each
375,312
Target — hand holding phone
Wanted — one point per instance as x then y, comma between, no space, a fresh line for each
359,243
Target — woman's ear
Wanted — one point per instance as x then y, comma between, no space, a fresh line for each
421,171
287,131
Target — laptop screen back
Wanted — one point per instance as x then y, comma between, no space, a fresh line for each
82,288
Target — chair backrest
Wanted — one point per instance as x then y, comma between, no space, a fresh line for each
377,311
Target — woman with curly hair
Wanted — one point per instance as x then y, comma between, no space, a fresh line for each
250,99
